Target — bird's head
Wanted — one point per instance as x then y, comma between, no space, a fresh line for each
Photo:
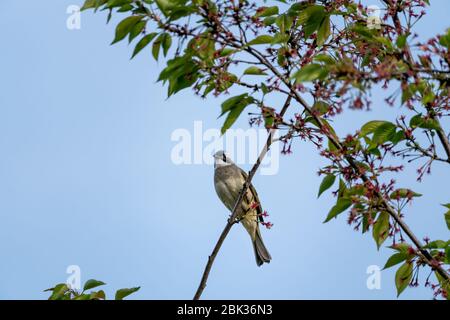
221,159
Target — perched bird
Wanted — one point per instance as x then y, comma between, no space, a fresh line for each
229,180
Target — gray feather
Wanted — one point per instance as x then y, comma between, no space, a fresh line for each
229,181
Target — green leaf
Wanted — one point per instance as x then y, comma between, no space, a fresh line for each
372,126
328,60
267,11
83,297
226,52
447,219
311,72
164,6
398,136
156,47
341,205
384,133
403,277
124,27
327,182
447,255
418,121
320,107
403,193
116,3
269,21
254,71
143,43
445,284
92,283
401,41
234,107
137,30
380,230
324,31
98,295
444,40
436,244
166,42
230,103
311,19
395,259
401,247
88,4
263,39
181,72
59,291
122,293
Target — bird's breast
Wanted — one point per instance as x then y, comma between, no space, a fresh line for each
228,183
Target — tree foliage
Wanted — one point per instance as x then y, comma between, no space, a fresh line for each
328,58
62,291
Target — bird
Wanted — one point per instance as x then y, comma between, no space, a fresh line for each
229,180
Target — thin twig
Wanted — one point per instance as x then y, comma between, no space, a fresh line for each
232,220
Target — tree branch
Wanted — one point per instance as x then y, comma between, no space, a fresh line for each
232,220
410,59
426,256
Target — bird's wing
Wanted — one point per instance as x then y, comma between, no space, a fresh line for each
253,196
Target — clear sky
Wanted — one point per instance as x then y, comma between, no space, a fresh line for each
86,178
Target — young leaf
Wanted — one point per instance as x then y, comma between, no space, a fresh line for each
122,293
88,4
124,27
267,11
324,31
436,244
311,19
311,72
403,193
157,46
403,277
254,71
320,107
136,30
401,247
263,39
97,295
395,259
234,107
166,43
383,133
372,126
401,41
447,219
419,121
380,230
341,205
92,283
143,43
327,182
59,291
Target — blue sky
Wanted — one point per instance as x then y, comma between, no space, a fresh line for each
86,179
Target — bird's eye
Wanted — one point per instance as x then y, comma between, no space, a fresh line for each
224,158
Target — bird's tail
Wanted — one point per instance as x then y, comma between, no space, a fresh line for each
261,253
